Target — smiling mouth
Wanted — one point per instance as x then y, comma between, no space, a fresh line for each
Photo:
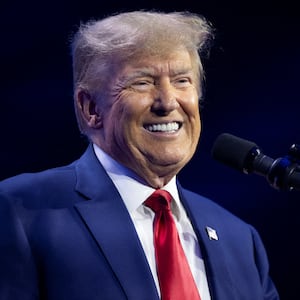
164,127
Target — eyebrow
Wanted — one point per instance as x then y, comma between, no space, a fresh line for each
144,72
150,72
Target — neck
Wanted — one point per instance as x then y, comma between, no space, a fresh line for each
155,176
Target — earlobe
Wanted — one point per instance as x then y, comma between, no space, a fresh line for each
88,109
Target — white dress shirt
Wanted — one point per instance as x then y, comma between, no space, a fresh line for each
134,191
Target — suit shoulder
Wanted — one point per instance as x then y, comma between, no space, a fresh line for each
32,185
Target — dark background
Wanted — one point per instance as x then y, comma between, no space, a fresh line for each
252,91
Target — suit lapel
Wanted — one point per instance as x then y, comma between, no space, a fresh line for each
109,222
218,275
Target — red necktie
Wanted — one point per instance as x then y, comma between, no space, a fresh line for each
174,275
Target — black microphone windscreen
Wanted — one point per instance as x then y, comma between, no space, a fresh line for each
232,151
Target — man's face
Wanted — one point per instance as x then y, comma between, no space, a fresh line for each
151,119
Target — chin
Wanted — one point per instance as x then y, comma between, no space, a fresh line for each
172,164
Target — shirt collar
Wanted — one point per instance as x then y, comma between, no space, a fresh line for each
133,190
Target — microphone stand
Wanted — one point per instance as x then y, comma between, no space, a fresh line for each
284,173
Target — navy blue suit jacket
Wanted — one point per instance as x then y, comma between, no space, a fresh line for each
65,234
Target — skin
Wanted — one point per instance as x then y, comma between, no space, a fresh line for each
149,91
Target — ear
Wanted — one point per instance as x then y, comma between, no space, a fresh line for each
88,109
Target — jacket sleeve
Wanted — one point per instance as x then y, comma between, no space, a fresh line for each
18,278
269,290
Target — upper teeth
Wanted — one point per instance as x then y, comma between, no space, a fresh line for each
163,127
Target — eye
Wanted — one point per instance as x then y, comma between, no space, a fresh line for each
142,85
182,82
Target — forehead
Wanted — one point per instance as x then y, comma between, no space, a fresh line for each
173,63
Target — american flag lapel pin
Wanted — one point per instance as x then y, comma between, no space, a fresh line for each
212,234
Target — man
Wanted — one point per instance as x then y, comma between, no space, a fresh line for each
85,231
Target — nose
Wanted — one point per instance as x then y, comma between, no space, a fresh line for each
165,100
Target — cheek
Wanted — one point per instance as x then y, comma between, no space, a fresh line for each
191,107
124,119
192,111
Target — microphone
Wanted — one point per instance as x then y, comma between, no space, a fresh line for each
245,156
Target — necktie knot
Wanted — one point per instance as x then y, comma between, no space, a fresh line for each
159,200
